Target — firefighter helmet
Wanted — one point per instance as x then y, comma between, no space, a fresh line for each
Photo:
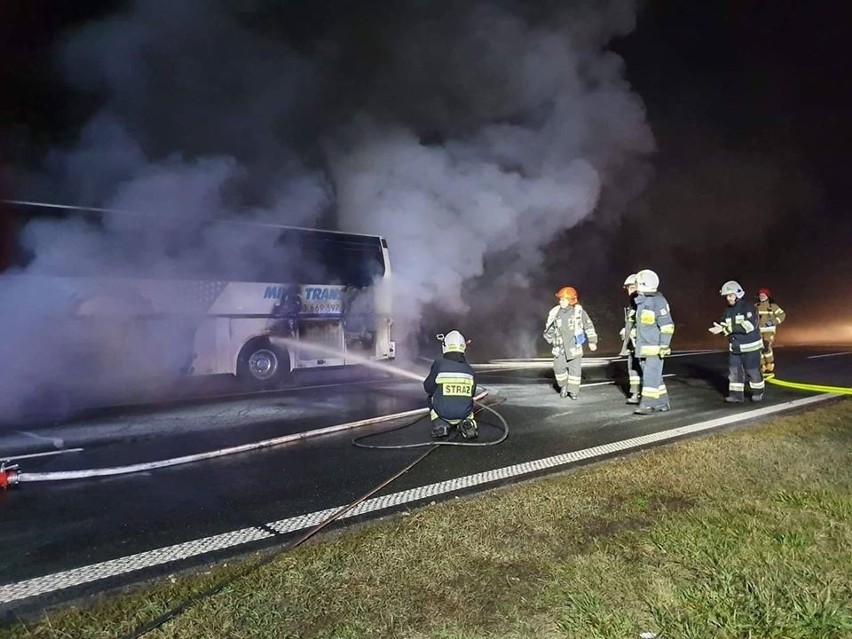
630,281
567,293
765,291
647,281
452,342
732,287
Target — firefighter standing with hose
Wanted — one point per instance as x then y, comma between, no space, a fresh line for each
567,328
451,386
739,324
770,315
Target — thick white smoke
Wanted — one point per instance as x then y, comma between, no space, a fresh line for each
459,132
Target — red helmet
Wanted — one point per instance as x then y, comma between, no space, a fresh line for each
765,291
569,293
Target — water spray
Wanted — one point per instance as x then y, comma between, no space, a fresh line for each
295,345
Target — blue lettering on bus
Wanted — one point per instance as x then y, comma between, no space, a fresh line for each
313,293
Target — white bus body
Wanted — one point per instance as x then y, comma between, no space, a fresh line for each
260,331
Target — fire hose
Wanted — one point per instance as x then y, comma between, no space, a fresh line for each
816,388
11,475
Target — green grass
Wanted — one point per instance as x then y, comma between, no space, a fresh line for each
743,534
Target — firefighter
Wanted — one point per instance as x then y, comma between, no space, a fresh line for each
628,341
567,328
451,386
654,332
739,324
769,315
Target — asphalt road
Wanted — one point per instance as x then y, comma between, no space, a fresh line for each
66,539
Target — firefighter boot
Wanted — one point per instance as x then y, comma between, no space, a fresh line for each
563,391
633,399
440,429
469,429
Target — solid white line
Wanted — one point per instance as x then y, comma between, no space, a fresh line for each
830,355
160,556
46,454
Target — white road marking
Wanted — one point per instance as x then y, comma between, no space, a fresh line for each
37,586
46,454
830,355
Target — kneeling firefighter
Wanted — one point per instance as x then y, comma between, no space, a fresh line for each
451,386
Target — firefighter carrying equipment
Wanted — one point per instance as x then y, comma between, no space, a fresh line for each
566,330
732,287
568,293
452,342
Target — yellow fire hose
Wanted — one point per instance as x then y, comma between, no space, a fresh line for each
816,388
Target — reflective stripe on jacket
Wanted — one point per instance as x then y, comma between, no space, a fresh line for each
740,322
654,324
770,315
451,385
569,328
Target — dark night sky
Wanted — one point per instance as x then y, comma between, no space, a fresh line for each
749,102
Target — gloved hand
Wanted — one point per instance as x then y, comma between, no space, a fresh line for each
593,347
555,351
716,328
665,351
621,334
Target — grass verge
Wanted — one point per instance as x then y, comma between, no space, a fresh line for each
742,534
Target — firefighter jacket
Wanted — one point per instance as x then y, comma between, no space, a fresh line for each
740,325
568,329
654,325
769,315
451,385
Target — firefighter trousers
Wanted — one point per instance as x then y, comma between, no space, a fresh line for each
634,373
767,357
742,366
654,392
568,372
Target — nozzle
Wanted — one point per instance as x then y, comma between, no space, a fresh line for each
8,475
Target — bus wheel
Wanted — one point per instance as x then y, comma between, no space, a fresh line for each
262,365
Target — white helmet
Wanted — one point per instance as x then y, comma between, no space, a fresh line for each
452,342
630,281
647,281
734,287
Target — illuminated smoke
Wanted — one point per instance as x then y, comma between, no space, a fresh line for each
471,135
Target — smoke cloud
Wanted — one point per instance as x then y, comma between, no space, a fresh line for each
471,135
